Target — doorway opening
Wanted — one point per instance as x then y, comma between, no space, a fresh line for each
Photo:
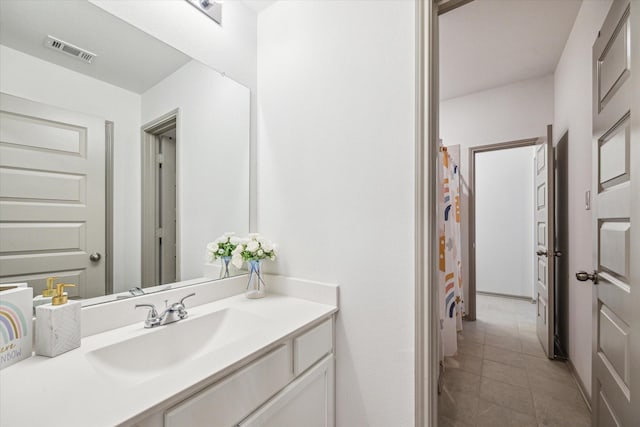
501,221
508,222
159,202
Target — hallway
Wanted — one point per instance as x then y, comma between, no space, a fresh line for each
501,376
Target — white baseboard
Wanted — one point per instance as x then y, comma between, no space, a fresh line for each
581,387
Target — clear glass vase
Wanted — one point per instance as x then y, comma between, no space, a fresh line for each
256,286
224,268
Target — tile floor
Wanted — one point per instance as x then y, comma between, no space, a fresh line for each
501,376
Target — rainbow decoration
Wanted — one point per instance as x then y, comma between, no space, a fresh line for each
449,292
16,308
450,281
13,325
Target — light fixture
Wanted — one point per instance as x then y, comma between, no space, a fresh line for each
211,8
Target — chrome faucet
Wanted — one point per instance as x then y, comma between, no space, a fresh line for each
172,313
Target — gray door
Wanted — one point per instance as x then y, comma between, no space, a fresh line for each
544,242
167,209
563,276
616,218
52,196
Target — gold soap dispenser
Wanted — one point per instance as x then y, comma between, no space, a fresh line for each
50,291
58,324
60,296
47,294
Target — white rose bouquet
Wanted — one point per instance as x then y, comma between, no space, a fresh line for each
254,248
223,246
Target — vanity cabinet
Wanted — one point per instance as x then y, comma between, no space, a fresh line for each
307,401
291,385
230,400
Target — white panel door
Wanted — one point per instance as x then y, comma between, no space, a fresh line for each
52,196
616,218
544,242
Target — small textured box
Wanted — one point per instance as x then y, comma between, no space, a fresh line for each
57,328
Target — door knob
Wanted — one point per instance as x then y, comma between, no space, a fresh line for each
557,253
583,276
542,253
95,257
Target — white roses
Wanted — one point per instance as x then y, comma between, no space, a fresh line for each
254,248
223,246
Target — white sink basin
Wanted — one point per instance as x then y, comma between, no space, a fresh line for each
143,357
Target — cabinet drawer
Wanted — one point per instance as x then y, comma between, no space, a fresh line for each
230,400
311,346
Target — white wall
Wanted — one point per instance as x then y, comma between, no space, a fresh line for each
573,98
507,113
213,156
336,183
32,78
230,48
505,221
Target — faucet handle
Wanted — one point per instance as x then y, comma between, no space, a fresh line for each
180,308
188,296
152,311
152,316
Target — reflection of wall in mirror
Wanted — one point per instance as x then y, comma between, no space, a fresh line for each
28,77
213,155
231,48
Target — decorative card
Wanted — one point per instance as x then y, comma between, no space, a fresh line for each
16,323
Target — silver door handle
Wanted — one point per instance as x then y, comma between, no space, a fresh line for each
583,276
542,253
557,253
95,257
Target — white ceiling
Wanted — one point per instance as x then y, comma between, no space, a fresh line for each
126,57
484,44
490,43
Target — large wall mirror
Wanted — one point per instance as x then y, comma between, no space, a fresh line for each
120,156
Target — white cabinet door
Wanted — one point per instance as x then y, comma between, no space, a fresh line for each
308,401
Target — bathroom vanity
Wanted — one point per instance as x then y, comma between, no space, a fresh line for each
231,362
175,113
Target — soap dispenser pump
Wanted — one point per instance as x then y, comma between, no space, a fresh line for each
50,291
58,324
60,296
47,294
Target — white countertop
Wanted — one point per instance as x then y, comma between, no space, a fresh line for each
69,391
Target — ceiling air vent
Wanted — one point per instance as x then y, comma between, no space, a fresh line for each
62,46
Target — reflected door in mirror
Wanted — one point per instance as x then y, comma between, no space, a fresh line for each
52,196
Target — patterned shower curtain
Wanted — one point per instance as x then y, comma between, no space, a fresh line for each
450,261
